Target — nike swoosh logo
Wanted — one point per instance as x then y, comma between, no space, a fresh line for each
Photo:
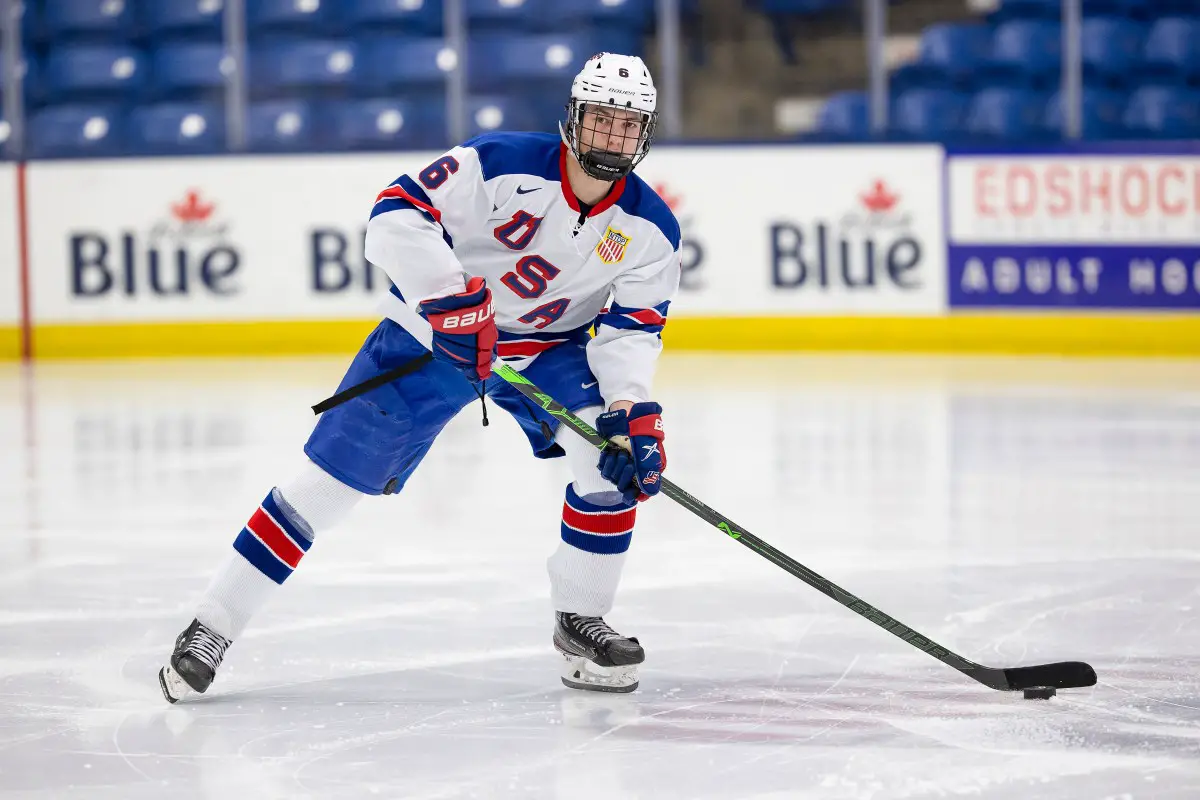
590,385
523,190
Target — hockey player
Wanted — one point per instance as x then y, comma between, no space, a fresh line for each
512,246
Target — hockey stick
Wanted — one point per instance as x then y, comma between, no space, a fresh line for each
374,383
1062,675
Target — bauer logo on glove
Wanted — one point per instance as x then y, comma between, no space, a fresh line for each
642,427
464,329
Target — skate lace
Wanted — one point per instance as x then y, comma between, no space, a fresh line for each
596,629
207,646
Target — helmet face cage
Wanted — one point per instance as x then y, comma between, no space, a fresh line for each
597,159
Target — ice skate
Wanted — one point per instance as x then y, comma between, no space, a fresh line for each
193,665
595,657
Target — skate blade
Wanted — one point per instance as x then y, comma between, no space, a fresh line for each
174,687
580,673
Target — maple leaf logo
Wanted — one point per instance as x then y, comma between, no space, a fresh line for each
192,209
673,201
879,199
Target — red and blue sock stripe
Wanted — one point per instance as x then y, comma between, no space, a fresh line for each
271,542
594,528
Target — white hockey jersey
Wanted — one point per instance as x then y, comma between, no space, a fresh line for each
500,207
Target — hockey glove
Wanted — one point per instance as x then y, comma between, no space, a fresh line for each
464,329
636,465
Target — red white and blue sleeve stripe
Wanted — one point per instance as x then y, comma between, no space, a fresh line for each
646,320
405,193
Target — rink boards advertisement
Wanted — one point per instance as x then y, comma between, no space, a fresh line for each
266,252
1086,229
785,247
227,254
10,282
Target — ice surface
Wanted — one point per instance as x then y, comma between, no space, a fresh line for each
1016,511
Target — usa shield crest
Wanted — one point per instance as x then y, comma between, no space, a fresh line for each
612,247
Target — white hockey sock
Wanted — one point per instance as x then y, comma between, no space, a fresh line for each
597,527
584,583
271,545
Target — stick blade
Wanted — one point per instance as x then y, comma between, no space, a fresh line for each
1061,675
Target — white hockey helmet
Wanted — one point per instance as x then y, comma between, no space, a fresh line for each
614,81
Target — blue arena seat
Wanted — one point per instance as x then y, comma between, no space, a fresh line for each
1100,114
1053,9
110,20
179,18
501,62
93,71
281,68
801,6
624,14
928,114
1004,113
305,17
1163,112
1170,8
282,125
1172,50
386,124
399,62
1025,53
75,130
499,112
1111,50
949,56
168,128
845,116
513,16
187,69
956,48
413,18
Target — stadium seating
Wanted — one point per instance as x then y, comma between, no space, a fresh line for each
94,72
63,20
1172,51
187,69
1111,50
1163,112
928,114
385,124
845,116
1025,54
524,64
418,18
299,67
76,130
282,125
1006,114
183,18
1001,79
125,76
390,63
949,57
177,128
1100,118
298,17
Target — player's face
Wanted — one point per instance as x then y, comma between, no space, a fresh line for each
614,130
